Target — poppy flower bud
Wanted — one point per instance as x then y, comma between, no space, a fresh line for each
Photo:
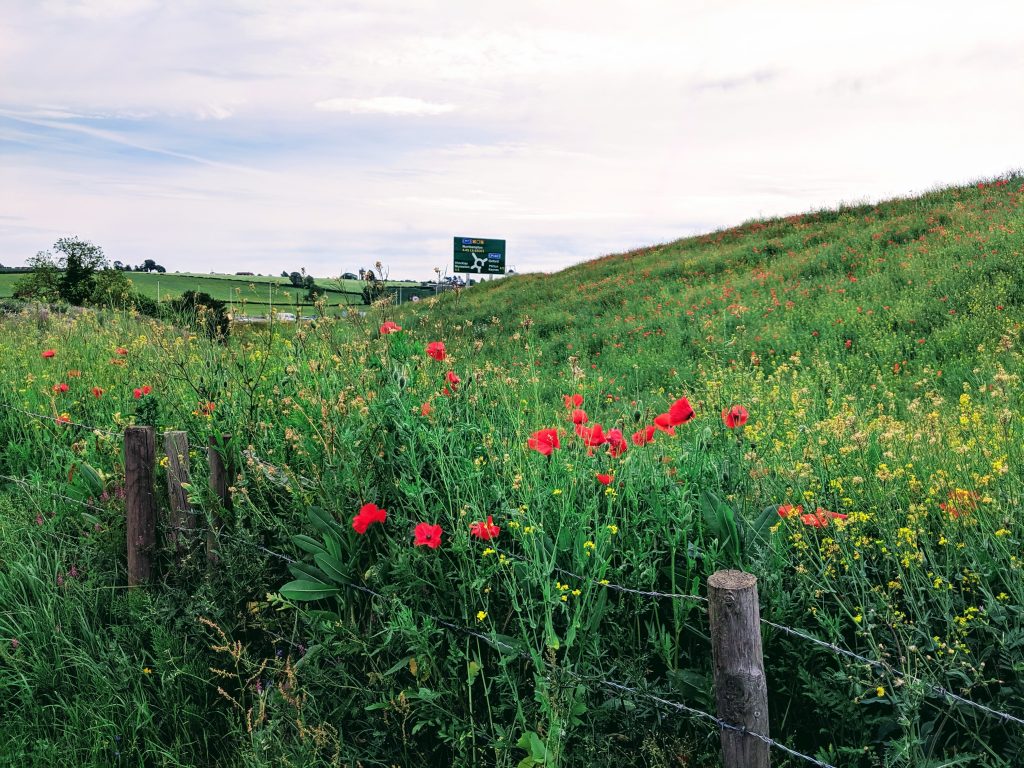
401,382
637,416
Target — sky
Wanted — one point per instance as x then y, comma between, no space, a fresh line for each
265,136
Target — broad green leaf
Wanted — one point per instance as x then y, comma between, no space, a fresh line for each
307,590
308,544
307,571
324,522
332,566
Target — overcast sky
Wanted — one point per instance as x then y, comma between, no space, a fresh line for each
261,136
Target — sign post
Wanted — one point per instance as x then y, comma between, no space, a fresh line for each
480,256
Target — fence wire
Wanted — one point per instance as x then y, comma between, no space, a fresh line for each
651,594
59,420
934,688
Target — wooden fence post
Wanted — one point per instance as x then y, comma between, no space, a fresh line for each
741,691
219,486
140,503
183,519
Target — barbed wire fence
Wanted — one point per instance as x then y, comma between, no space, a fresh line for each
635,691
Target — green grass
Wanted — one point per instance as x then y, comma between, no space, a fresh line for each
255,293
876,348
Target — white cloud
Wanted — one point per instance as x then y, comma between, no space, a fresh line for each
571,128
384,105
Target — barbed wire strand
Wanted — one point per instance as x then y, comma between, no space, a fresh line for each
614,587
937,689
58,420
934,688
53,494
683,708
1005,716
718,721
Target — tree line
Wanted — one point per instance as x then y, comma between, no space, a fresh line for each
77,272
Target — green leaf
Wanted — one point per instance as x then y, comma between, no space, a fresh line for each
307,544
758,530
324,523
307,590
307,571
332,566
721,521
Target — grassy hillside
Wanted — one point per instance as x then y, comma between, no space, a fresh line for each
917,282
856,443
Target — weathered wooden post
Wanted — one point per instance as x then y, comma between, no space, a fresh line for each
219,486
140,503
741,691
183,519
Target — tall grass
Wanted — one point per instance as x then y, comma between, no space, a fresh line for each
875,348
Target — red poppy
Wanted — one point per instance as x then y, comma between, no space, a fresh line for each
788,510
146,389
579,416
644,436
389,327
435,349
368,514
121,351
428,535
735,416
49,353
821,517
63,419
663,421
604,479
544,441
573,401
617,444
426,409
485,531
96,391
960,502
591,435
452,379
62,387
136,393
680,412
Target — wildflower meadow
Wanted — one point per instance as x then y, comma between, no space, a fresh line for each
477,529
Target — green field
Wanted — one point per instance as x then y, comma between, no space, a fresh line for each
254,293
531,594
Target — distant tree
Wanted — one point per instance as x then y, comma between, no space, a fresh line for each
149,266
79,259
119,265
69,276
313,291
284,273
112,289
203,312
296,279
43,282
374,288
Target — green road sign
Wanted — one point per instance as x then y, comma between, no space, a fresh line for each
483,257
